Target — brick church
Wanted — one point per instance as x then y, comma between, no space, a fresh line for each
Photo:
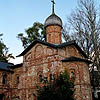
42,62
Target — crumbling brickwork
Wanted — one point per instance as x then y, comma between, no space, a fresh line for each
5,84
54,34
43,60
82,79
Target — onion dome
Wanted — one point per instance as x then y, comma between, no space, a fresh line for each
53,19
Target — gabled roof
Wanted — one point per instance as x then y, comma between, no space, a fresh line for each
5,66
71,59
53,46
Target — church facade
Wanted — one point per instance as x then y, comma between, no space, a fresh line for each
42,62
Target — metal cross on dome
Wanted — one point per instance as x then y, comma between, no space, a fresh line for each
53,3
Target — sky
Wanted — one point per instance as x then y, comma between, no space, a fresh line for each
18,15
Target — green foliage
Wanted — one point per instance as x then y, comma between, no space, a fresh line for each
37,31
4,56
61,89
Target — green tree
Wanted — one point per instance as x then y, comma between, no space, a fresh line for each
60,89
4,55
37,31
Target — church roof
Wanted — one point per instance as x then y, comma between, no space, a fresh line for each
5,66
53,19
71,59
55,46
16,66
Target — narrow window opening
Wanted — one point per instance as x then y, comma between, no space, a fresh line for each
51,77
72,75
17,79
4,79
40,78
45,79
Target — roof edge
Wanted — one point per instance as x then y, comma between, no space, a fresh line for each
72,59
53,46
6,70
16,66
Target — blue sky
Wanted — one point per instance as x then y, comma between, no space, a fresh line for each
18,15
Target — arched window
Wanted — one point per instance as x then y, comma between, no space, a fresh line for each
40,78
72,74
51,77
17,79
45,79
4,79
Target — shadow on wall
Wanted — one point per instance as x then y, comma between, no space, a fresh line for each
98,96
1,96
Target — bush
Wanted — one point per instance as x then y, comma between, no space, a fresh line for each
61,89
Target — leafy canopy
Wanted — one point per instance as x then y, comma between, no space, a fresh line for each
60,89
4,55
37,31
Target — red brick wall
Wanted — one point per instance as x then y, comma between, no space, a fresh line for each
53,34
82,79
45,60
5,88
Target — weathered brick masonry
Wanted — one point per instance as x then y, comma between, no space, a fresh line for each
44,60
41,60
